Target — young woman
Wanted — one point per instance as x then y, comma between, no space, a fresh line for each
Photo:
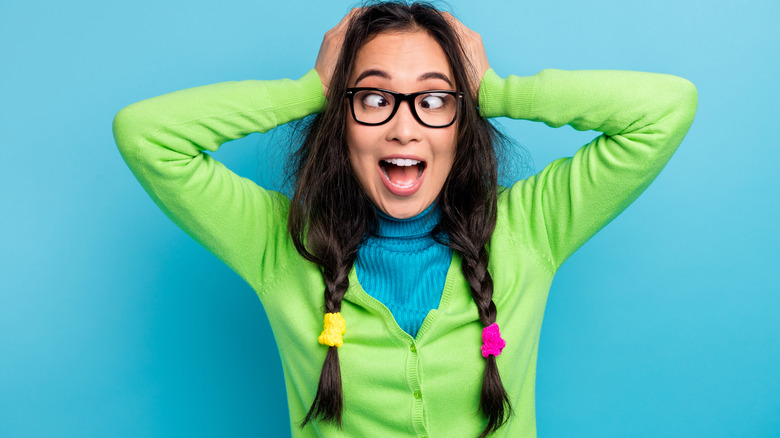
432,279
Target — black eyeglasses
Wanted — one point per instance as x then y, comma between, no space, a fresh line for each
433,108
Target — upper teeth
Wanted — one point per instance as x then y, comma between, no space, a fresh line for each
402,161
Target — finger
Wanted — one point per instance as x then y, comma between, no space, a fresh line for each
331,47
473,48
456,24
344,22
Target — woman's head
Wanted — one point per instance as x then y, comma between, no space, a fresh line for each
406,49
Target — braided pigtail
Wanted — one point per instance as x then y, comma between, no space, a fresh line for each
493,402
328,402
332,230
469,205
333,248
329,214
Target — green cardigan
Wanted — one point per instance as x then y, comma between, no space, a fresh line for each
395,385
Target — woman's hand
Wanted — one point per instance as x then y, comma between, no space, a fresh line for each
474,52
330,49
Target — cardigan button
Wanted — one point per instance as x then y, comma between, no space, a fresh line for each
412,348
417,394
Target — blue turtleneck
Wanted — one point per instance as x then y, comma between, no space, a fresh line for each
404,268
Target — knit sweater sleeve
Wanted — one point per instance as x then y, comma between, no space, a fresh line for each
643,117
165,140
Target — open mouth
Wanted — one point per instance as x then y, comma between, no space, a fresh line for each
402,175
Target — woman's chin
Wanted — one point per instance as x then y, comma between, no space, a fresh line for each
402,209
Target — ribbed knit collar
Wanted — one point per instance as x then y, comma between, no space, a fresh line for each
417,226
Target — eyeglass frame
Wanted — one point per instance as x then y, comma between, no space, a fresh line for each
403,97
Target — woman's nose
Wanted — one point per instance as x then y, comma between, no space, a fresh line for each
404,127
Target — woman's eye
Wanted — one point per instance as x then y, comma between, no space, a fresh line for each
432,101
375,100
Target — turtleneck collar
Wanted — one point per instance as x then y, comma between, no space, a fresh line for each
417,226
404,267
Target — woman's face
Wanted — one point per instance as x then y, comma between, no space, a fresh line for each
401,165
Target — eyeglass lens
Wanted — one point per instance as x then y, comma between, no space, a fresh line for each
433,109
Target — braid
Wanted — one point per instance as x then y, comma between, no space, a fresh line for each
327,222
481,283
493,401
328,403
469,204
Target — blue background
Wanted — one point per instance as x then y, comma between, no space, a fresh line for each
114,323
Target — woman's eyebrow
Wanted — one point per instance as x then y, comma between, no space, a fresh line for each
372,72
385,75
434,75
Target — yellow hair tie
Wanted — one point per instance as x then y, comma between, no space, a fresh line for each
335,326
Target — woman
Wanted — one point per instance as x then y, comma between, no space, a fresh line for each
398,218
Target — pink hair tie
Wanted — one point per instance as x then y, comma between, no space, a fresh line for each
492,344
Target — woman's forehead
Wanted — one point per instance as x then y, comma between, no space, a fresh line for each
402,58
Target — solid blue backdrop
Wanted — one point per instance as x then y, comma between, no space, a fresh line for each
114,323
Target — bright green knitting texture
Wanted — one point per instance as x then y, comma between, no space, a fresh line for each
395,385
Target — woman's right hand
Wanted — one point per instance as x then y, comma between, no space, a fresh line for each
330,49
474,52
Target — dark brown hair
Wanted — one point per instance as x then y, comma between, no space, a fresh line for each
330,213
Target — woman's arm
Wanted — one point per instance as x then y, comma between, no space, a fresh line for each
164,142
643,118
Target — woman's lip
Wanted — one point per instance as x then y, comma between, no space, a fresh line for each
398,190
404,156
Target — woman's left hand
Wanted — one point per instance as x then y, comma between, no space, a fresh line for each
330,49
474,52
